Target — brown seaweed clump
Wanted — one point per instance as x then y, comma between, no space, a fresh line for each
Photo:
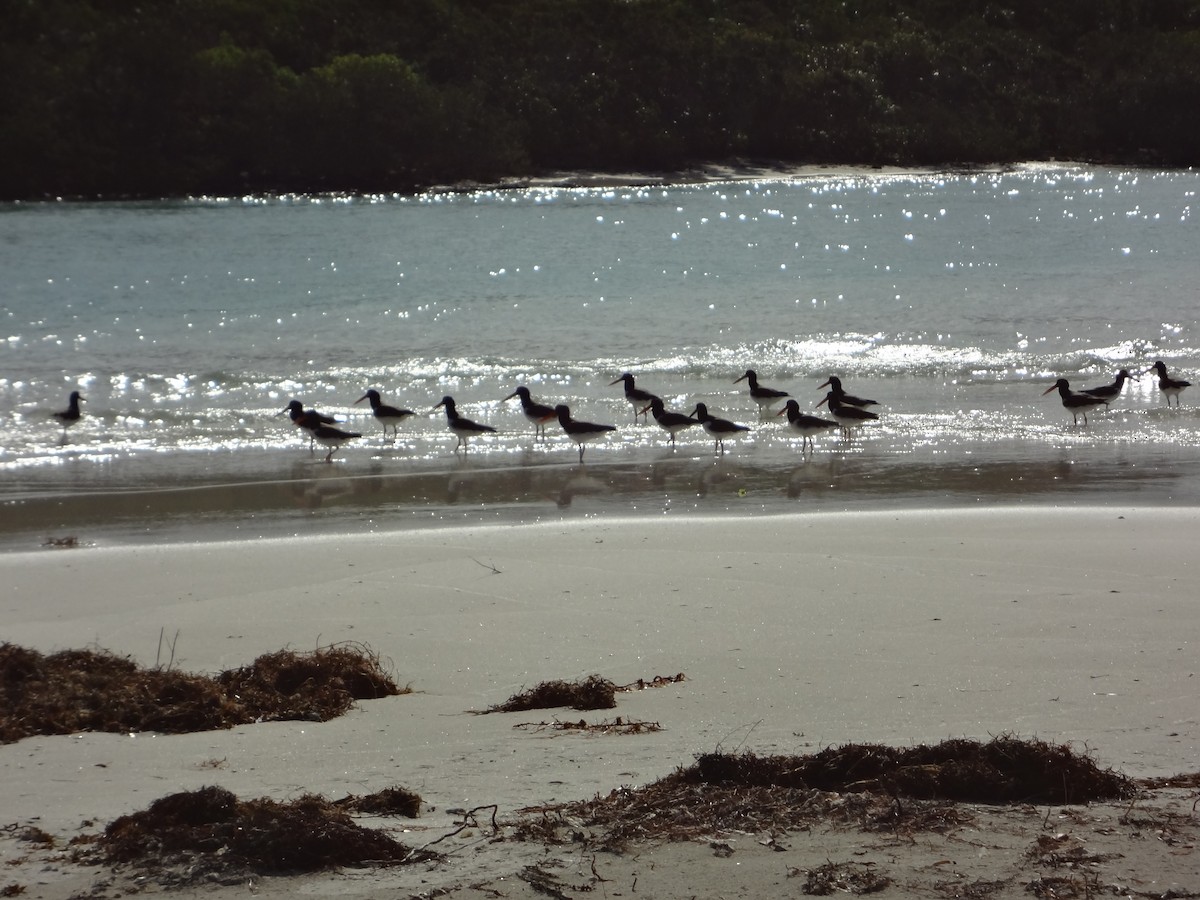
209,833
868,786
593,692
94,690
1003,770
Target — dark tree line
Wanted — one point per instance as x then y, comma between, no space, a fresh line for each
175,97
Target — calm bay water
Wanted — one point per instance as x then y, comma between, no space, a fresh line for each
952,299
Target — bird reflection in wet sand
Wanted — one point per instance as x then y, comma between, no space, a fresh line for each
579,484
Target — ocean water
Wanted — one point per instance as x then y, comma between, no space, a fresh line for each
954,299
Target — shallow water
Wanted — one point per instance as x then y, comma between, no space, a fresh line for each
952,299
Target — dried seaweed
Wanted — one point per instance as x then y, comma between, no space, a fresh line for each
1002,770
618,725
94,690
592,692
393,801
842,878
209,832
866,786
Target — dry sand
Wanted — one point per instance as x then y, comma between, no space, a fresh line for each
794,633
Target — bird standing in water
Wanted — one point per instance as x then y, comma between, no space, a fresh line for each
1171,387
1076,404
670,422
805,425
718,429
463,429
1109,392
635,395
387,416
71,414
765,397
538,414
580,432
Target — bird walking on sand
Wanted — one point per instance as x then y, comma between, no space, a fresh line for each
72,414
1171,387
538,414
670,422
765,397
333,438
835,387
580,432
718,429
846,415
1075,403
1109,392
387,416
805,425
463,429
635,395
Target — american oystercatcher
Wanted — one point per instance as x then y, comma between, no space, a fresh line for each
463,429
538,414
333,438
387,416
718,429
835,387
636,396
580,432
805,425
1171,387
71,414
308,419
1109,392
765,397
846,415
1076,404
670,422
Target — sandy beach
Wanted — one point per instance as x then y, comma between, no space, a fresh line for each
794,633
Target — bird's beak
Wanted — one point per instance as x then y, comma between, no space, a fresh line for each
819,386
510,396
743,378
362,398
646,410
1049,389
618,381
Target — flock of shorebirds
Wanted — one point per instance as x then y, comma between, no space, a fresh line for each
847,411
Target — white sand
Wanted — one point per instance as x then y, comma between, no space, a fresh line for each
794,633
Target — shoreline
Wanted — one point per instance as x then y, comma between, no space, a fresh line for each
136,503
793,632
